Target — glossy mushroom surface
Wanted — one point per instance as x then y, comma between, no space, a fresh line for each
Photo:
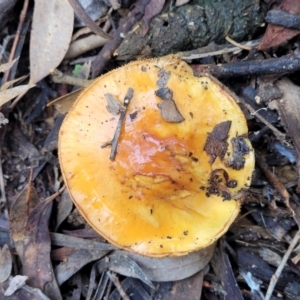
174,184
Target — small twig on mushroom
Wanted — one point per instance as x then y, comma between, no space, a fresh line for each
281,266
112,276
114,141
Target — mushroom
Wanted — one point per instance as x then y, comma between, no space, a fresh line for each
156,159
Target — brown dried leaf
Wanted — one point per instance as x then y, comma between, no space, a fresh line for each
10,83
152,9
223,269
216,142
189,288
52,28
9,94
5,263
275,35
19,215
78,258
168,109
65,206
121,263
289,111
64,103
37,264
113,105
30,233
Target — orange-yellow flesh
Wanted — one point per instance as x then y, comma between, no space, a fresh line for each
152,198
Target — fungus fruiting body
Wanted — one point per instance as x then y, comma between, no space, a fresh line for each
180,163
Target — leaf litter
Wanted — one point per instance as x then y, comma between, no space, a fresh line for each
270,226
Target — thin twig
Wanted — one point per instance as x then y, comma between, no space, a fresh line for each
276,275
59,77
112,276
278,185
233,42
280,135
86,19
283,18
213,49
17,36
114,141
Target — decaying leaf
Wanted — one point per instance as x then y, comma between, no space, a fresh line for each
10,83
289,110
216,143
121,263
37,264
5,263
52,28
15,283
64,103
222,268
9,94
114,106
31,236
76,259
65,206
275,35
3,120
7,66
163,78
168,108
240,149
19,215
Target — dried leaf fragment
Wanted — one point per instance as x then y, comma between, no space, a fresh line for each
168,108
240,149
216,142
5,263
114,106
7,66
14,284
9,94
163,78
275,35
52,28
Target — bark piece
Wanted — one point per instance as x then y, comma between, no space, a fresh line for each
192,26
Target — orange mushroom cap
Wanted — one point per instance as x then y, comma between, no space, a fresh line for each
181,159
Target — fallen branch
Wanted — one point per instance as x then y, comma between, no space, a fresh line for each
272,66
